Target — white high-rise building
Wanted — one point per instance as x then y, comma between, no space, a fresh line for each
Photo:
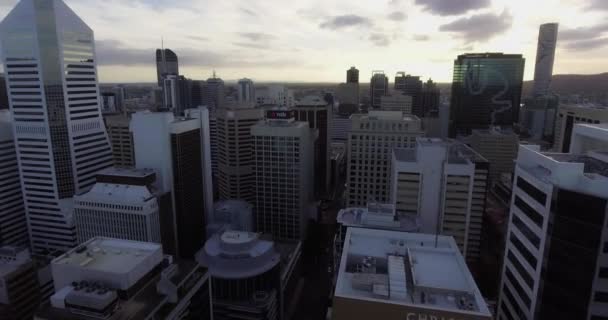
122,205
444,185
569,115
54,99
246,91
397,102
284,174
275,95
13,222
556,256
545,57
370,146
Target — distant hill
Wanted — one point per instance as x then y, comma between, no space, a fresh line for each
565,84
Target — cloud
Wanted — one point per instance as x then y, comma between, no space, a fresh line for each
116,53
248,12
481,27
589,44
452,7
379,39
257,36
251,45
197,38
345,21
598,4
397,16
421,37
582,32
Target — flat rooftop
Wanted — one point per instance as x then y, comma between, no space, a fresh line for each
109,255
408,269
592,165
126,172
377,217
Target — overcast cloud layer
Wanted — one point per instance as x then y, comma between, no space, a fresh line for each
317,40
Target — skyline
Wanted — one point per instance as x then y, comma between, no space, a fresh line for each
315,41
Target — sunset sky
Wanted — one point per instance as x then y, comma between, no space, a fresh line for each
317,40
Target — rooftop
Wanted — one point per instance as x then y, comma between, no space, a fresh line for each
109,255
408,269
126,172
378,216
592,165
458,152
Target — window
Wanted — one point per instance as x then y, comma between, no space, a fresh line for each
524,251
526,231
532,191
601,296
529,211
520,269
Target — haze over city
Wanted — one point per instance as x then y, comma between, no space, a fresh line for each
313,40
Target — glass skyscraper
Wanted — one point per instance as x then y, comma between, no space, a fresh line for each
60,137
486,91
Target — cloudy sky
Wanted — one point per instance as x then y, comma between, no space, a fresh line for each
317,40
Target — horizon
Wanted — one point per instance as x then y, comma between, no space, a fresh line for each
313,43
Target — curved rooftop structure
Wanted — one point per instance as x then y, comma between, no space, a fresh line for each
238,255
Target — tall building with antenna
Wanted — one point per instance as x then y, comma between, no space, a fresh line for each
61,142
166,64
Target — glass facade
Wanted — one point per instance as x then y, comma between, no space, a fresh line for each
486,91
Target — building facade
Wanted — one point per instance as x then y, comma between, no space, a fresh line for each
411,86
499,147
246,91
431,97
176,160
444,185
215,93
236,179
166,64
397,102
352,75
19,287
378,87
13,220
121,205
54,98
284,175
370,145
568,116
121,138
486,91
545,57
555,259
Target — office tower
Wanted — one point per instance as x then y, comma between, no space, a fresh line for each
19,289
444,184
236,179
397,102
545,56
236,215
13,221
177,91
337,170
275,95
370,146
378,216
250,277
284,175
554,265
398,275
172,148
121,138
166,64
340,128
213,135
202,115
352,75
430,97
348,95
3,93
108,278
318,114
215,93
486,91
568,116
585,138
411,86
122,205
499,147
378,87
109,103
61,139
199,90
246,91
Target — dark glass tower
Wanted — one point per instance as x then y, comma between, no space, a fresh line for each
352,75
378,87
486,91
411,86
166,64
430,97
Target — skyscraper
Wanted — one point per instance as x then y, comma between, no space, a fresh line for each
378,87
370,145
215,93
486,91
177,93
411,86
499,147
352,75
54,98
444,184
13,222
20,290
545,56
166,64
284,175
121,139
3,93
172,147
246,91
430,97
555,263
236,179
